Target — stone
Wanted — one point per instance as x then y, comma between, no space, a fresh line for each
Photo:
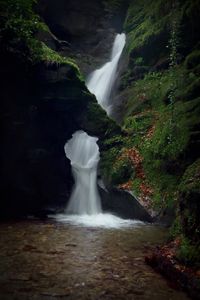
123,204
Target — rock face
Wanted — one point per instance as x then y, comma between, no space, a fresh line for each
43,104
41,107
87,25
123,204
71,20
189,205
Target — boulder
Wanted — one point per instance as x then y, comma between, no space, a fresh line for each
123,204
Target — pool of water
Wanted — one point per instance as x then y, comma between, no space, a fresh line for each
58,260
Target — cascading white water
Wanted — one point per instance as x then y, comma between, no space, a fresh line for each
84,206
83,152
101,81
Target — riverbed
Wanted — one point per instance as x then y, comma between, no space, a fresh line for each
52,260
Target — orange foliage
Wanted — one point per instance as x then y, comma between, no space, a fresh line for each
150,132
126,186
136,159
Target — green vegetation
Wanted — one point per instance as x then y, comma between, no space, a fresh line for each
188,253
148,123
161,114
44,53
97,121
190,180
189,204
114,6
193,60
19,25
18,20
145,22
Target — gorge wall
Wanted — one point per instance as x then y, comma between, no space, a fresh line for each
88,27
154,152
158,106
44,100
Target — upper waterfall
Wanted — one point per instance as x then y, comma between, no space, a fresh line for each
101,81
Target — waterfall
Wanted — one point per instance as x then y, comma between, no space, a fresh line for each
84,207
101,81
83,152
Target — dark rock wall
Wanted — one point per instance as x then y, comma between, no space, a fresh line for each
87,26
43,104
71,19
41,107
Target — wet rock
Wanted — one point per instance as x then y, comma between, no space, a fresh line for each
41,107
123,204
179,275
91,37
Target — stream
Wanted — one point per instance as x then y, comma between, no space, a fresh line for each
53,260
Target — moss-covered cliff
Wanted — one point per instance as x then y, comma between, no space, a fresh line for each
158,105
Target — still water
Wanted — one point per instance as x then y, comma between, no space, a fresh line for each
53,260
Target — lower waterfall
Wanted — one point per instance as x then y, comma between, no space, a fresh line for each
83,152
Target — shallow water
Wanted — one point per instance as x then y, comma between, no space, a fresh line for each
49,260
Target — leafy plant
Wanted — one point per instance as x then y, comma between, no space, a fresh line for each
139,61
188,253
18,26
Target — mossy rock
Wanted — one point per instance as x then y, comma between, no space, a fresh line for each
97,122
188,252
191,178
147,31
121,171
192,91
193,59
190,202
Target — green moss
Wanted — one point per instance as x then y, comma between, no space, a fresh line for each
191,178
139,61
108,158
113,6
161,111
170,138
164,184
176,229
149,108
19,25
18,18
98,122
188,250
138,125
136,182
152,92
121,171
193,59
148,25
145,23
188,253
192,91
40,52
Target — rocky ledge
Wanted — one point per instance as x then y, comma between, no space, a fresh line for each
165,262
